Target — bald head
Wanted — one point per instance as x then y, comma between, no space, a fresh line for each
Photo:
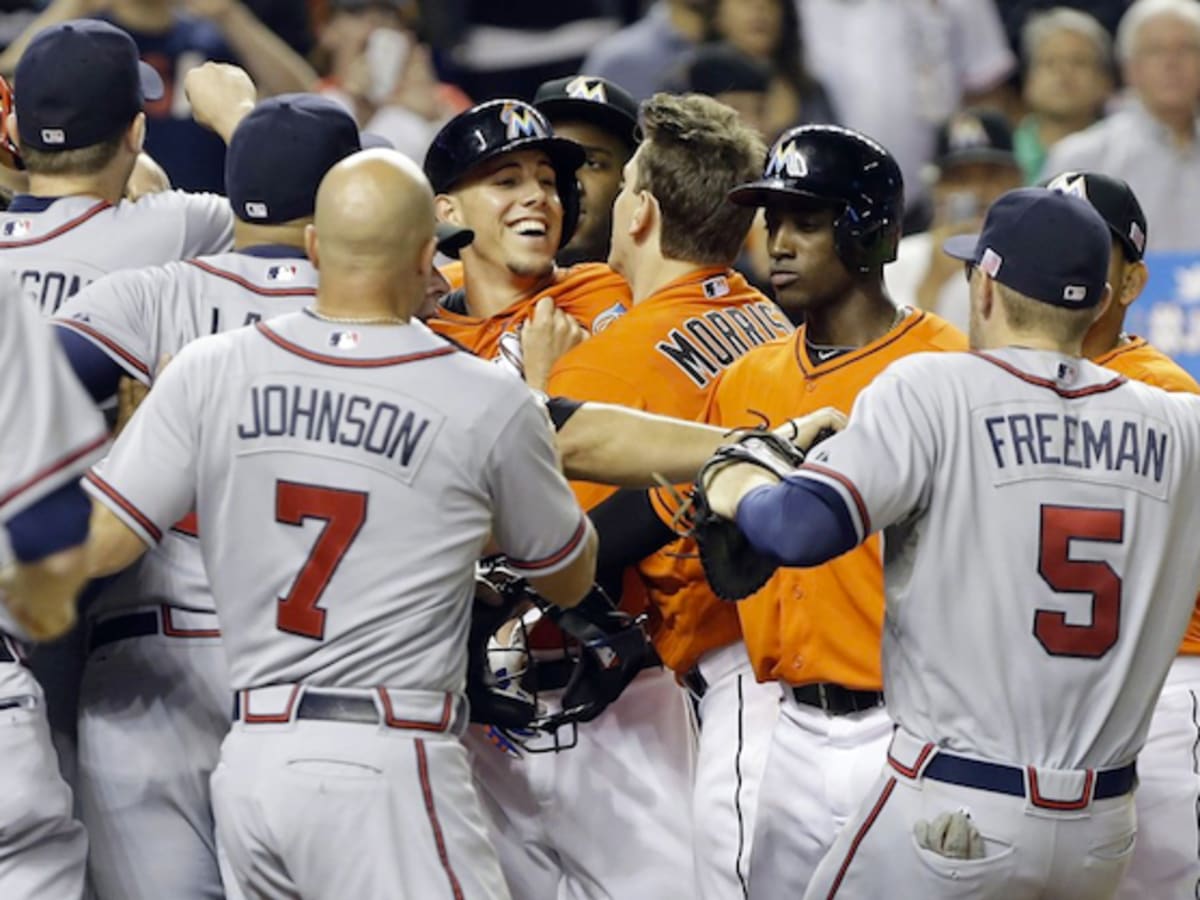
374,212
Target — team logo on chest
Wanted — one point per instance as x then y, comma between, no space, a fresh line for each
15,228
282,273
344,340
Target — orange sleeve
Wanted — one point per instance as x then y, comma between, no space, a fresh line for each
665,501
453,273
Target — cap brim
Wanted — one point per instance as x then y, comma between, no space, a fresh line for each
983,155
605,116
962,246
772,191
151,82
452,238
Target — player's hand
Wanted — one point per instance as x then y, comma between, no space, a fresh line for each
147,177
221,95
547,335
41,596
952,835
130,394
803,432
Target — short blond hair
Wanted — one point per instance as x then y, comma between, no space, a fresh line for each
694,151
1024,313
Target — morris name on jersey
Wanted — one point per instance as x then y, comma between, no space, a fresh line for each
389,432
1134,449
723,335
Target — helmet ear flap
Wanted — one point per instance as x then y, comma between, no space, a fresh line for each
862,248
568,194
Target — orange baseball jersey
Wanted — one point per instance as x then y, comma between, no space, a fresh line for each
591,293
1142,362
453,273
822,624
664,356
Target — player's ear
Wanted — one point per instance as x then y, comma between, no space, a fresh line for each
135,136
645,215
446,208
1132,284
310,245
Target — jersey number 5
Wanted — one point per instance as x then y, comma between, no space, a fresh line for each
343,513
1060,526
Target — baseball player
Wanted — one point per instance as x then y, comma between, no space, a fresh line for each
154,630
602,118
692,316
50,435
1164,863
342,510
833,201
79,125
499,170
1068,489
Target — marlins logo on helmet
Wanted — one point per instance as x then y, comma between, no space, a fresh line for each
786,160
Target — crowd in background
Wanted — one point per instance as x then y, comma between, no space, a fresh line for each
972,96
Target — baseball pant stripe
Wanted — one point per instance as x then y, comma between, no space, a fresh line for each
862,833
737,797
1196,771
431,810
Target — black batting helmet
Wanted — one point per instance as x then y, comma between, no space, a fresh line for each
842,167
503,126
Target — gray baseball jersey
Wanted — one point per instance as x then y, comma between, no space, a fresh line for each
58,246
1039,516
50,431
346,478
135,317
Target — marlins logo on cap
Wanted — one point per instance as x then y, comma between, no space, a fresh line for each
584,88
966,132
786,160
522,121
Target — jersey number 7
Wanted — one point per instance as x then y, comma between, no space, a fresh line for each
1060,526
343,513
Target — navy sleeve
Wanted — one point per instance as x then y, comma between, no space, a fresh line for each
93,367
799,521
56,522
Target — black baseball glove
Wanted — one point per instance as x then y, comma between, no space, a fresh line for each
734,569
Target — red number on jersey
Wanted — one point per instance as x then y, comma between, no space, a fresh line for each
344,513
1060,526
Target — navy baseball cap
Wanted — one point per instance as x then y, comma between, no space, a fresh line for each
80,83
590,98
975,136
1042,244
280,152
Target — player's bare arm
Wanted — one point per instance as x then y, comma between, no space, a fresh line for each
221,96
547,335
41,595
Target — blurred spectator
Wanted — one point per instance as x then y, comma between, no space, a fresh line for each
507,49
287,18
1016,13
1068,63
602,118
726,74
376,67
769,31
642,56
1152,143
975,164
174,38
896,70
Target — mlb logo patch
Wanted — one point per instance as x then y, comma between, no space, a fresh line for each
1074,293
257,211
715,287
15,228
53,136
1067,373
282,273
344,340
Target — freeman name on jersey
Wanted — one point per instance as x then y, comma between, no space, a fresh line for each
322,415
1126,446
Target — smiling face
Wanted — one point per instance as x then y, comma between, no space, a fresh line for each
511,202
805,269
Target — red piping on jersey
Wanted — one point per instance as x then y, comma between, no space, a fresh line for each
1050,385
52,469
1037,799
377,363
852,357
849,486
555,557
914,770
431,810
61,229
170,630
249,285
858,838
132,511
106,341
390,720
